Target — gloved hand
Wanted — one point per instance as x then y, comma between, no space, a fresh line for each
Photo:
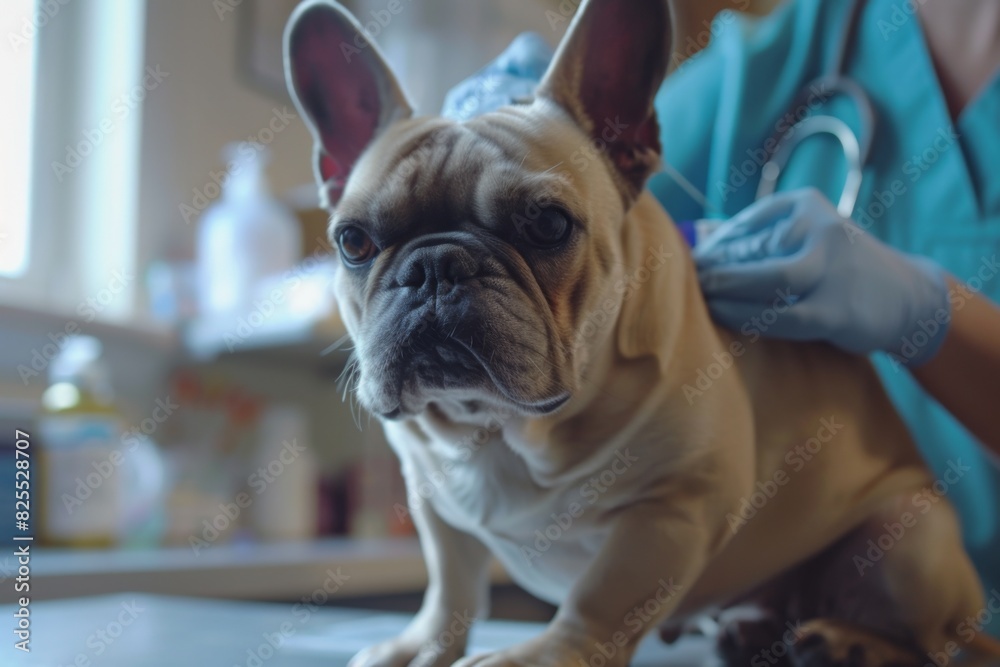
512,76
791,267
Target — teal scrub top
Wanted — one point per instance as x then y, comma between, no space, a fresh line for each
928,189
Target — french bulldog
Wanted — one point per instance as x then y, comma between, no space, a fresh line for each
529,329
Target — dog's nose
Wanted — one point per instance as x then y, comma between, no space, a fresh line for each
437,268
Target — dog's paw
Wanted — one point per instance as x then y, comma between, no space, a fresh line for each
742,642
525,656
815,651
831,644
406,653
553,649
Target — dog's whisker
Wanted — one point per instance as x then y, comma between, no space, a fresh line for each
336,346
552,168
346,376
354,401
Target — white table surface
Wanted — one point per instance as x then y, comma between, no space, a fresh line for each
280,571
189,632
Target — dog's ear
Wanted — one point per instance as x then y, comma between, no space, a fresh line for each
606,74
343,88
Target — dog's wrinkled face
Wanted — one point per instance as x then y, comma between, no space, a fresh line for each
471,254
464,257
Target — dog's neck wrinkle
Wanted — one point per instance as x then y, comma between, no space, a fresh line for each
666,318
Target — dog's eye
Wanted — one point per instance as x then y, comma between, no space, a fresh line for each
549,230
356,246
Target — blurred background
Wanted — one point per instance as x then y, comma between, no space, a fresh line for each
168,338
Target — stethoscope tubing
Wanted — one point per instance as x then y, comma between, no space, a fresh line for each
856,149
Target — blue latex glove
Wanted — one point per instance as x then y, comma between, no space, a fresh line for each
791,267
514,75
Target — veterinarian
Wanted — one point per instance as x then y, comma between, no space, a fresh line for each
914,280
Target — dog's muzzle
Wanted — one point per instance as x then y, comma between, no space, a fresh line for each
452,321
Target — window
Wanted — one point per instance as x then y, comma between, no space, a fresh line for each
16,76
69,162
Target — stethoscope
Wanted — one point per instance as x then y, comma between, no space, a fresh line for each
856,149
784,142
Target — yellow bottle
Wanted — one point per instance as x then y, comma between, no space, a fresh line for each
80,430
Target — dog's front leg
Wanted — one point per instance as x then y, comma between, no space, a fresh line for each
653,554
457,594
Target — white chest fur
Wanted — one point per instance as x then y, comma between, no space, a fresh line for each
544,529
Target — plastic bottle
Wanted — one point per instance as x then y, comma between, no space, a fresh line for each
245,237
285,486
80,431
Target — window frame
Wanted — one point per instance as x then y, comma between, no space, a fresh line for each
74,225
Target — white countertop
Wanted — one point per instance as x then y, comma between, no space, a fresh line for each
260,572
126,630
